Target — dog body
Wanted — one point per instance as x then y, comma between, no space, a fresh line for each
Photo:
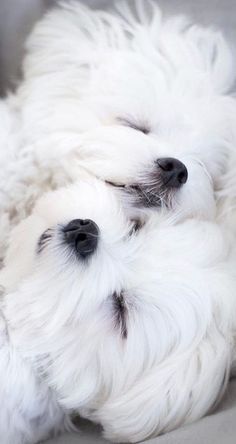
145,323
108,96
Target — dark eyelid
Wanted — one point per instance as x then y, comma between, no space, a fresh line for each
44,239
116,185
137,225
136,126
120,313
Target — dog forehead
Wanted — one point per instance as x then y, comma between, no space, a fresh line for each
134,85
94,200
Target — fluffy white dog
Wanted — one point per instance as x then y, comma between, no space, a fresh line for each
142,313
115,96
130,326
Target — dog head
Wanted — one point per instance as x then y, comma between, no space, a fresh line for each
140,101
126,322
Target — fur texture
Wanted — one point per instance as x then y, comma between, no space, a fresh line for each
107,95
104,96
139,337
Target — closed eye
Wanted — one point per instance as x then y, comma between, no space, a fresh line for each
44,240
120,313
142,127
137,224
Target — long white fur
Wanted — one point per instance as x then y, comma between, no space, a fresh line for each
68,354
84,74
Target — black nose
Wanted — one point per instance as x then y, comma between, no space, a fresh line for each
173,172
82,235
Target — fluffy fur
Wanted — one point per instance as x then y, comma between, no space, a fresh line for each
104,96
139,337
107,95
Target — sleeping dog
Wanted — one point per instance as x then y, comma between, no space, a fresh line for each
130,97
130,325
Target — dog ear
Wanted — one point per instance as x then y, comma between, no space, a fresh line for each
201,58
173,393
202,54
139,413
215,56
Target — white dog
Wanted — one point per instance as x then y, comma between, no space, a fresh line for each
141,103
115,96
130,326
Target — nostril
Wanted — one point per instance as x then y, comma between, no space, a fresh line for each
81,237
168,166
182,177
